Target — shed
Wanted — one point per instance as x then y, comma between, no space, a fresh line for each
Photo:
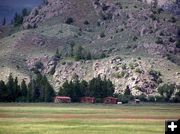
110,100
88,100
62,99
137,101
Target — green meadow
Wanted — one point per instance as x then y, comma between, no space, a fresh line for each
52,118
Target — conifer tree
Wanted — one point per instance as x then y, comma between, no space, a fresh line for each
24,91
3,92
25,12
127,91
10,87
57,55
4,21
49,91
16,87
79,53
72,44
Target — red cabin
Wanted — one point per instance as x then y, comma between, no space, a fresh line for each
110,100
62,99
88,100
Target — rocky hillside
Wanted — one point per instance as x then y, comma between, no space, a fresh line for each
139,43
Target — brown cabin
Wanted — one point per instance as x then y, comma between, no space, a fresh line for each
62,99
88,100
110,100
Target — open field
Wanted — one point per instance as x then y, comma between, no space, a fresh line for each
85,118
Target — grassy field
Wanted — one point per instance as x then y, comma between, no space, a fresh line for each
85,118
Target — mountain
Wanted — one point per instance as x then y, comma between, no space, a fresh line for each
8,8
132,43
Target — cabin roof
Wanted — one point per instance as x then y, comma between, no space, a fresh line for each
62,97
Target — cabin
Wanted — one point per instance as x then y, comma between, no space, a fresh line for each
62,99
88,100
137,101
110,100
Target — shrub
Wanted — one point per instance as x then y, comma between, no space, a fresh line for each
137,88
136,64
155,74
118,75
159,99
161,34
178,44
177,97
122,74
171,40
102,35
159,40
153,17
103,55
69,20
105,7
63,63
135,38
142,97
151,99
123,66
138,70
160,10
124,100
172,19
166,91
17,67
86,22
98,24
131,66
39,65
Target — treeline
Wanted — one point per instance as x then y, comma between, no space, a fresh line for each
18,17
38,90
167,93
80,53
97,87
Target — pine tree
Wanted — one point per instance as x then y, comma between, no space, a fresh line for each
49,91
30,91
88,57
4,21
24,91
84,88
3,92
72,44
79,53
64,89
127,91
57,55
18,19
10,87
16,87
36,92
25,12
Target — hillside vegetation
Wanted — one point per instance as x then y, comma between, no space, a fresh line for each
127,40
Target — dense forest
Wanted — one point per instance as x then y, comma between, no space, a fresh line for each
40,90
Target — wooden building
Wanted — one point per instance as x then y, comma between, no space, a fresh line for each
110,100
62,99
137,101
88,100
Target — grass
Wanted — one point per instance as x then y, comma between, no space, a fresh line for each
85,118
